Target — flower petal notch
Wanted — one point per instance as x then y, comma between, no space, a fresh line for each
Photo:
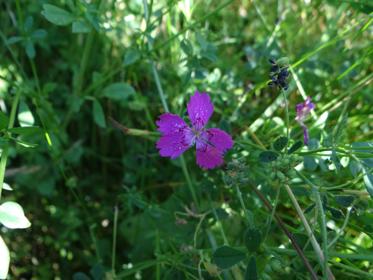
177,136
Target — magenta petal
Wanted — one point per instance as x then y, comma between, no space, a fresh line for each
172,145
200,109
175,138
210,157
220,139
210,154
169,123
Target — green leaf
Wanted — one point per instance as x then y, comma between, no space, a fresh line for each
4,259
12,215
39,34
251,270
368,180
309,163
24,143
98,114
295,147
355,167
344,200
225,257
280,143
268,156
187,47
30,49
57,15
26,130
7,187
364,147
118,91
4,120
14,39
131,56
80,26
81,276
25,116
253,238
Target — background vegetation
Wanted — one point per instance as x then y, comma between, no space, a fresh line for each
101,201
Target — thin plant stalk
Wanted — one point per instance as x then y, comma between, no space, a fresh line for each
310,234
281,224
165,107
5,152
113,250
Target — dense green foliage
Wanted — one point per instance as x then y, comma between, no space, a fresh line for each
82,84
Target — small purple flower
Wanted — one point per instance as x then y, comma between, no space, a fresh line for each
303,109
177,136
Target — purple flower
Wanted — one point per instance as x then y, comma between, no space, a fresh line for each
177,136
303,109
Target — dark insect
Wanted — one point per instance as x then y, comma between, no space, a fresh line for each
279,75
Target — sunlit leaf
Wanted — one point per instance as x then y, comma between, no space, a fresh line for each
12,215
4,259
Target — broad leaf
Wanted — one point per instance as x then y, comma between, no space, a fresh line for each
12,215
119,91
4,259
253,238
25,116
225,257
57,15
251,270
268,156
98,114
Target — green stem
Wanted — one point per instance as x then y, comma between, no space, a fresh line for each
286,116
189,181
113,251
159,86
310,234
240,198
5,153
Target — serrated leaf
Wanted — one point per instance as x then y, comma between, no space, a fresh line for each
57,15
253,237
268,156
118,91
4,259
12,215
98,114
251,270
280,143
225,257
